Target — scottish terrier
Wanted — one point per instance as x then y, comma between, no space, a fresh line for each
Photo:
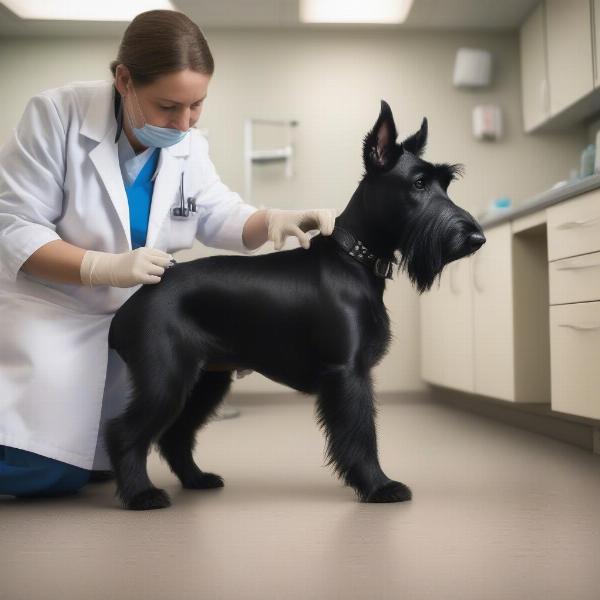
311,319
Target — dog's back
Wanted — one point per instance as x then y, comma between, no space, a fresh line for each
281,314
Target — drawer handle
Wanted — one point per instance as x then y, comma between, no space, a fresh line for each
571,224
573,267
579,327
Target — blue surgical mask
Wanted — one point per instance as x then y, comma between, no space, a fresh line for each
154,136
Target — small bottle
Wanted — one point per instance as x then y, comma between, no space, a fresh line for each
597,161
499,206
588,157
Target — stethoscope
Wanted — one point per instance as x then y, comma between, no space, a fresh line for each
181,212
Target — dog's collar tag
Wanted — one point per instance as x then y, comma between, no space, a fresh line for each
355,248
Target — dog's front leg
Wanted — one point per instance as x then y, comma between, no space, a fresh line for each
346,410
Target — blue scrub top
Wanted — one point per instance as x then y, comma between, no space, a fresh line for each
139,197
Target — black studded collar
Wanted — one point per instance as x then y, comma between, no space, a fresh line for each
357,250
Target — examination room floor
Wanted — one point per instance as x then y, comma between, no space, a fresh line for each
497,513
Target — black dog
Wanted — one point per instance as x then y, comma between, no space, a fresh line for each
311,319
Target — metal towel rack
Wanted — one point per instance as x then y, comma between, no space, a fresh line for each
273,155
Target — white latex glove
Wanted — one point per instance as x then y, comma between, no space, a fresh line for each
142,265
282,223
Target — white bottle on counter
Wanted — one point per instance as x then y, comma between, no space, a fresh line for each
588,159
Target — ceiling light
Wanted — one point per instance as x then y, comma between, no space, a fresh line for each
83,10
354,11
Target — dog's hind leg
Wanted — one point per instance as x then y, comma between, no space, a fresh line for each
345,407
161,387
177,443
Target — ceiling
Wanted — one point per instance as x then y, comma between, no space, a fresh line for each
503,15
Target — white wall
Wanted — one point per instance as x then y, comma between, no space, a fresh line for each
331,82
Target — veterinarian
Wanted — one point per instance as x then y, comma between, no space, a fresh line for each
99,184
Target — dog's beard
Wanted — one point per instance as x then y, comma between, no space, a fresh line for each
429,244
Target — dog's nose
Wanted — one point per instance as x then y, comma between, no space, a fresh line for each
476,240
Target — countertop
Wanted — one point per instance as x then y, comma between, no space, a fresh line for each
543,200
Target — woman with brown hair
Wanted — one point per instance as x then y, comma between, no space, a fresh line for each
99,183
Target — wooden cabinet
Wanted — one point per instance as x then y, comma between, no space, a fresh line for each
575,349
520,319
447,329
483,330
574,269
574,226
569,41
493,315
560,63
534,73
575,279
467,324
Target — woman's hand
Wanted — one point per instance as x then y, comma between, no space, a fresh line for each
128,269
281,223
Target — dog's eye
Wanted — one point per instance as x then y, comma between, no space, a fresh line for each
420,183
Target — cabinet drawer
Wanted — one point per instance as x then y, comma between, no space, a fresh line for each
575,279
574,357
574,226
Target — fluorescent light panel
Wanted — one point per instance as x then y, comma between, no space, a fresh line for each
83,10
354,11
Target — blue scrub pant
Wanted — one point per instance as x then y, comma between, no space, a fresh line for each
24,473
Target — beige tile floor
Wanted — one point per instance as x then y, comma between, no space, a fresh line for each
497,513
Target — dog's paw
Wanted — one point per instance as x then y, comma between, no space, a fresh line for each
148,500
203,481
392,491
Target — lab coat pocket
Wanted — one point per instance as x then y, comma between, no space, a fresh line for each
182,230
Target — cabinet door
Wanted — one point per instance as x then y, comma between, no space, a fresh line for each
569,39
597,42
493,315
534,75
575,351
432,309
447,329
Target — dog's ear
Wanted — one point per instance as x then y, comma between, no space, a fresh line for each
417,141
380,151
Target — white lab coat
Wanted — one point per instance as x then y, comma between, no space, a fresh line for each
60,179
